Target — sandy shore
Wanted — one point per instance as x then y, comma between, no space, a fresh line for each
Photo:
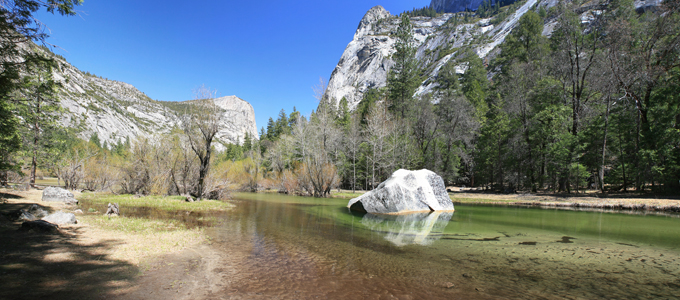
579,201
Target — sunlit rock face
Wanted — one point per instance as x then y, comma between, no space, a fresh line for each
404,192
415,228
117,111
238,119
367,59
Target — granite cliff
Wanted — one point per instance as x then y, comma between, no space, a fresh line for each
366,60
117,110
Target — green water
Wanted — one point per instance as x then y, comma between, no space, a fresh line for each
315,248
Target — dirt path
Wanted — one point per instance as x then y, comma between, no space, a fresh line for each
85,261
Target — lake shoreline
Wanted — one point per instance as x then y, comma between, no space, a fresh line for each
586,201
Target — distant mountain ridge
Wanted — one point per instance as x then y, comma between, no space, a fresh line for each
117,110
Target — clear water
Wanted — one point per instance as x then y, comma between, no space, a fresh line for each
306,248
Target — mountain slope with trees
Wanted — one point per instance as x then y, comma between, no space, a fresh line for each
576,96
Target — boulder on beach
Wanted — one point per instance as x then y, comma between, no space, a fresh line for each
56,194
405,191
61,218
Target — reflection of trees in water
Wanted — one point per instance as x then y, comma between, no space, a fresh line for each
409,229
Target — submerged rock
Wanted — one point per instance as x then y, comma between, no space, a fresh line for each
61,218
405,191
56,194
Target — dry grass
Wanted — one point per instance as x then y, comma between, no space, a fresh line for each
167,203
133,239
346,194
139,239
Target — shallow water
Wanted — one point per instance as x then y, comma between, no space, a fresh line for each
306,248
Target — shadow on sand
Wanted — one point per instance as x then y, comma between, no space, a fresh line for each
41,265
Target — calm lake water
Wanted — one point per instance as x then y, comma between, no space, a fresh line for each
315,248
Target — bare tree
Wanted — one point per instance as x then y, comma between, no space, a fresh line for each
71,169
280,157
353,139
425,127
576,55
183,164
200,123
317,145
300,137
458,127
640,55
378,130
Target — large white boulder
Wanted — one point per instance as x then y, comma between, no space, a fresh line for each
404,192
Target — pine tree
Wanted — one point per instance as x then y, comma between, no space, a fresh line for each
39,108
403,78
18,25
270,133
94,139
344,114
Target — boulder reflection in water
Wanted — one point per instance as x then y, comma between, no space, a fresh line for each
415,228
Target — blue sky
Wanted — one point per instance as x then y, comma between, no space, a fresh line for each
269,53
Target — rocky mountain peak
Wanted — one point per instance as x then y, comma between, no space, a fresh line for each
372,16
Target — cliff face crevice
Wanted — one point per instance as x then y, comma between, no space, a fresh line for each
117,110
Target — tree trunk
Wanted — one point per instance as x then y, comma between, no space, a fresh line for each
203,171
36,140
604,145
354,172
623,163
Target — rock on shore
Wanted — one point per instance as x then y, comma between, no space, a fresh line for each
61,218
56,194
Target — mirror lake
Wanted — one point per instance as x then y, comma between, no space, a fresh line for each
301,247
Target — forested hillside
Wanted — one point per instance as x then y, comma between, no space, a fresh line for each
579,96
